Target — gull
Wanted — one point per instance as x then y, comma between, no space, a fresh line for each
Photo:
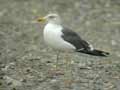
64,39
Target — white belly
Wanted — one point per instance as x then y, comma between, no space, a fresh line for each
52,37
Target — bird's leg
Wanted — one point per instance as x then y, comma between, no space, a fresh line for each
69,73
57,59
68,61
56,69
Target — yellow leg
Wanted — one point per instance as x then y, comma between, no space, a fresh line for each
69,73
56,69
57,60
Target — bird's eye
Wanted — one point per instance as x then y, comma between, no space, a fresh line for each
51,17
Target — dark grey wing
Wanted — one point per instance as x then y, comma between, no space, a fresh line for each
75,39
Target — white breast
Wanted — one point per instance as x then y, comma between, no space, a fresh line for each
52,36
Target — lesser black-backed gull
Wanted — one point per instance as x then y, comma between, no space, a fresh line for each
59,37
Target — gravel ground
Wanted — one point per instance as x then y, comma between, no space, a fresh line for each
26,63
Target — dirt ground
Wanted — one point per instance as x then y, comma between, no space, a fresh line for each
26,63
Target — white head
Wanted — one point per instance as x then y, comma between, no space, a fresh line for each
51,18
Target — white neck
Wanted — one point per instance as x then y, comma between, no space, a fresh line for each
52,26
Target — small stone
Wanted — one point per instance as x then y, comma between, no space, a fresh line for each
118,55
23,80
72,62
34,11
0,83
1,77
113,42
88,23
2,66
14,88
2,74
28,70
48,61
53,80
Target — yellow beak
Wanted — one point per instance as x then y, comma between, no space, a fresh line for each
41,19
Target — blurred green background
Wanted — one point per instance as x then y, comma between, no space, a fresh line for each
26,63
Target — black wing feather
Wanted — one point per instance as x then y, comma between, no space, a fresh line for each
74,39
80,44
